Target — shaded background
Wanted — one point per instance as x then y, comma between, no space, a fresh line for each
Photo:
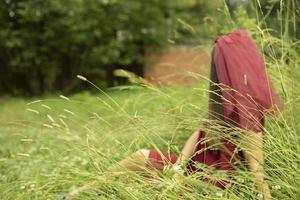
44,44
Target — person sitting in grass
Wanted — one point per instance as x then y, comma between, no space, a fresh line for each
240,96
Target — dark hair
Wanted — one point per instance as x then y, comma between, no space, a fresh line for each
215,110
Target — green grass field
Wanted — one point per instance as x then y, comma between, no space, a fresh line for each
55,144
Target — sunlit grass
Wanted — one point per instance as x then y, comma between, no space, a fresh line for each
85,134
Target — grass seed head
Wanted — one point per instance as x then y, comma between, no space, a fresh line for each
50,118
81,77
33,102
47,125
33,111
45,106
68,111
64,97
23,154
56,125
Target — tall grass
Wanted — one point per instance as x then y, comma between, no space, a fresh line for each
56,144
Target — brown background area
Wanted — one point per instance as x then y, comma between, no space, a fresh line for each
174,65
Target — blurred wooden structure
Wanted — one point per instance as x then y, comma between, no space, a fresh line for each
177,66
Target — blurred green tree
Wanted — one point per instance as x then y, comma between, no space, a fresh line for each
45,43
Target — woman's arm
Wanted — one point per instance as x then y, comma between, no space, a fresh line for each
188,149
253,142
185,155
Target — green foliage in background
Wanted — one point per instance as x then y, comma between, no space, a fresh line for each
44,44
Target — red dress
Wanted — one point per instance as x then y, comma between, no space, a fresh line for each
211,158
247,92
247,95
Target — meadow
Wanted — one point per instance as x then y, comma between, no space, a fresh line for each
54,144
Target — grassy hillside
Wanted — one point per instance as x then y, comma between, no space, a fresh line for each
50,146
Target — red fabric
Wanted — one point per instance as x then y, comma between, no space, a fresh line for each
211,158
205,156
158,160
247,92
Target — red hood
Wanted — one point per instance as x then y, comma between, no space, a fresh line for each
241,68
